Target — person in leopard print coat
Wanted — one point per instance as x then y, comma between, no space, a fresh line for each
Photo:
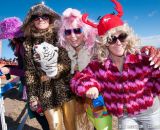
52,95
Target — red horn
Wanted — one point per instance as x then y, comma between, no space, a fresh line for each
85,20
118,8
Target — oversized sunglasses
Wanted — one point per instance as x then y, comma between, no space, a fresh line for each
68,32
122,37
37,17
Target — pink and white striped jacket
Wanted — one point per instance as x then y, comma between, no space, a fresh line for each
133,89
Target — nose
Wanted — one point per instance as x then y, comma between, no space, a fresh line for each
118,42
40,19
73,36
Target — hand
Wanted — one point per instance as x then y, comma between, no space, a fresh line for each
92,93
154,55
33,105
44,78
5,70
36,57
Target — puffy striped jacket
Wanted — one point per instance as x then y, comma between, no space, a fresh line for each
133,89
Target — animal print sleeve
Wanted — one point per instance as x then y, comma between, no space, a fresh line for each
30,72
64,63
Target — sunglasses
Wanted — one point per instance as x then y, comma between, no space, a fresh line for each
122,37
37,17
68,32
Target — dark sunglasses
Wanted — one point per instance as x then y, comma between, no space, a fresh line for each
68,32
122,37
37,17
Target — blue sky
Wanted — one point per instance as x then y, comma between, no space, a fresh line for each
142,15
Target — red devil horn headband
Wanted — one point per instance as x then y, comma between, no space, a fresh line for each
85,20
118,8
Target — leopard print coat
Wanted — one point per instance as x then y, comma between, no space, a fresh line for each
53,92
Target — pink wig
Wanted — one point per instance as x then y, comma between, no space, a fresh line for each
71,15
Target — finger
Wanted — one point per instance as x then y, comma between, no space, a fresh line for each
145,48
155,61
36,56
157,64
147,52
88,94
152,53
95,95
92,96
156,57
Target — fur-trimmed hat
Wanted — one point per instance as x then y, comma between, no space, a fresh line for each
40,9
108,21
10,28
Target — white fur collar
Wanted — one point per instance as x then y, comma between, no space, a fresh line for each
81,59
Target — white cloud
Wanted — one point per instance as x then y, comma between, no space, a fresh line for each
152,13
151,40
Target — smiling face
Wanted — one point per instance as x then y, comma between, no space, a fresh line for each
74,34
41,22
118,47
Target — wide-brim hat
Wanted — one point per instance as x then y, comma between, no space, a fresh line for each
10,28
40,9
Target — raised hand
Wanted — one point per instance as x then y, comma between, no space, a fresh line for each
154,55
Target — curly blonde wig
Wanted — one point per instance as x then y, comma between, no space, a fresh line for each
132,41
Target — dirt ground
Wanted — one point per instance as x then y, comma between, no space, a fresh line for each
15,109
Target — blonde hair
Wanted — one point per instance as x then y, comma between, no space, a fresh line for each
132,41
